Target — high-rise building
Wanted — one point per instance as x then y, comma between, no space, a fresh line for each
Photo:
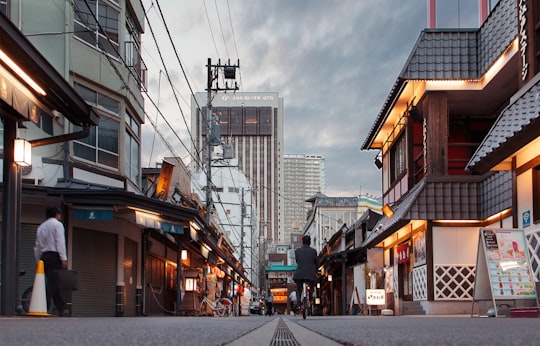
251,131
304,175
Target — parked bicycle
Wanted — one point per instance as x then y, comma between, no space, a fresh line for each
221,307
23,301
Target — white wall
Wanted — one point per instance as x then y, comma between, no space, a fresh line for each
455,245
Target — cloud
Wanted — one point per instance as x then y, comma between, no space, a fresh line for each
333,62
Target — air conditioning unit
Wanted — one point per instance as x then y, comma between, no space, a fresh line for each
35,171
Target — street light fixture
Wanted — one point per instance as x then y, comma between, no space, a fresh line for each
22,154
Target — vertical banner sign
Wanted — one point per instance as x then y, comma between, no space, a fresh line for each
503,270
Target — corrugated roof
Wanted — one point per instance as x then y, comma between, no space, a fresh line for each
523,113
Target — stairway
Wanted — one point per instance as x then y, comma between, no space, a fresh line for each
412,308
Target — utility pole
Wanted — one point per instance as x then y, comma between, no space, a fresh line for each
213,136
243,215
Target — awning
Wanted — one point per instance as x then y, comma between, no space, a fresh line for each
60,96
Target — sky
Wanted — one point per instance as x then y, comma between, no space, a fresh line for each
333,62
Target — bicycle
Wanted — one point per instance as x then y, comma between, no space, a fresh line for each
222,307
305,299
23,301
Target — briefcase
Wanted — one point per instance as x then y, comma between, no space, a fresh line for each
67,279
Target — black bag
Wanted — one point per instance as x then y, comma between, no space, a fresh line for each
67,279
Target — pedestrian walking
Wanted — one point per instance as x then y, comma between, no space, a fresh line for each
269,304
50,247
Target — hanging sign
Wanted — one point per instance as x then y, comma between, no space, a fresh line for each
403,253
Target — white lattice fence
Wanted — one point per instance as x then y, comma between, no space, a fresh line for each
533,242
420,283
454,282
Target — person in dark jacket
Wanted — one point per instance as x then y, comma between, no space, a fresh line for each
307,262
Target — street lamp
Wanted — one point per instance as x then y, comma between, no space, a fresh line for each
331,295
22,153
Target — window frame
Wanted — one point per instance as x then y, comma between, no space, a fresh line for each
89,28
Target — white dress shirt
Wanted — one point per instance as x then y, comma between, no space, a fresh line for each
50,237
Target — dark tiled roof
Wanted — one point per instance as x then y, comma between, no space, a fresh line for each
453,54
497,32
521,114
448,198
444,54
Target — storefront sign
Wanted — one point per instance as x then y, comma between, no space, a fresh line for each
375,297
523,38
272,275
403,253
92,214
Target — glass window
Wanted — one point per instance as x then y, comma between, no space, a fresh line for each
3,7
132,166
103,36
398,158
98,100
265,121
101,146
250,121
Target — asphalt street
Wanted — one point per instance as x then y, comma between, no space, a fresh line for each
270,330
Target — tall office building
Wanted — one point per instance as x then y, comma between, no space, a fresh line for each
251,131
304,176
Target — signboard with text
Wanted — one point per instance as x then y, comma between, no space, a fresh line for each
503,270
375,297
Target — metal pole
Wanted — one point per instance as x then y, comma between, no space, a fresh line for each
209,134
242,216
10,221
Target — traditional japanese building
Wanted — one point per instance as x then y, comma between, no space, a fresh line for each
452,89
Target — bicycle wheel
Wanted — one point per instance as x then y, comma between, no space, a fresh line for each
25,298
304,302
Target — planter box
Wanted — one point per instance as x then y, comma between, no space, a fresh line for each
525,312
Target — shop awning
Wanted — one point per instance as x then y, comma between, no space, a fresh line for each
59,95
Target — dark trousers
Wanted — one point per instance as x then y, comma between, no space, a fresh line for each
52,263
300,287
269,308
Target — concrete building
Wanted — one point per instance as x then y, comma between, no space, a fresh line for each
304,176
251,126
235,214
132,242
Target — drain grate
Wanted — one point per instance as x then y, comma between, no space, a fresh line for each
283,335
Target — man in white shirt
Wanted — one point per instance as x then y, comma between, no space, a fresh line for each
51,249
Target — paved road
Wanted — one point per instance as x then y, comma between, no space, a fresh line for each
275,330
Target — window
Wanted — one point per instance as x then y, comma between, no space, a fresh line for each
98,100
536,194
97,23
250,121
398,158
132,149
133,51
101,146
4,7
